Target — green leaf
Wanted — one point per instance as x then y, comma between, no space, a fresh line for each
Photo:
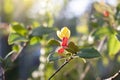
19,28
40,31
1,59
72,48
88,53
51,57
99,33
34,40
53,43
7,64
16,48
113,45
15,38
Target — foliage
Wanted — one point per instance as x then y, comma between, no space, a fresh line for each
94,49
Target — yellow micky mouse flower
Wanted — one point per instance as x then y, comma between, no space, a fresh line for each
65,32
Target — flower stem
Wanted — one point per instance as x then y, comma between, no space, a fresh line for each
10,53
66,62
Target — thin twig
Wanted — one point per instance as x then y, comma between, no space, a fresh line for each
101,44
10,53
114,76
85,72
2,76
66,62
14,56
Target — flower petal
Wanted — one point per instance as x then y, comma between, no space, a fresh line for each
61,51
64,42
59,34
65,32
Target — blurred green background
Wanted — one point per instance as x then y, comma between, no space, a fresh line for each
81,17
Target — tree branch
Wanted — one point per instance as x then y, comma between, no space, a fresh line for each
2,76
85,72
114,76
101,44
66,62
15,55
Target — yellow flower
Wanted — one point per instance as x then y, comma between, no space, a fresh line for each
65,32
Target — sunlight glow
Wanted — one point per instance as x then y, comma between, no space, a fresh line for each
43,6
78,7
